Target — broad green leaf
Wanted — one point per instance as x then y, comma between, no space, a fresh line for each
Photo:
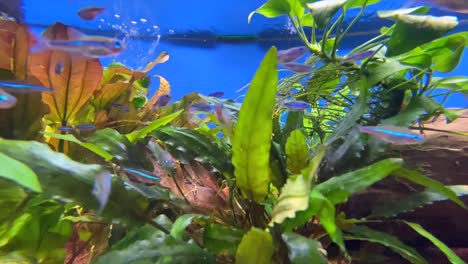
252,140
297,152
142,133
362,232
295,194
219,239
178,228
72,88
419,178
94,148
446,52
379,71
18,172
414,30
256,247
294,197
339,188
187,145
11,196
272,8
393,207
148,245
394,14
303,250
66,179
407,117
452,257
359,3
323,11
293,121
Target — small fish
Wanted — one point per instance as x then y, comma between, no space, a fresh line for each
90,13
7,100
457,6
393,134
66,128
102,189
120,106
223,116
201,107
359,56
142,173
296,105
59,68
88,46
163,157
298,67
217,94
85,127
162,101
16,86
292,54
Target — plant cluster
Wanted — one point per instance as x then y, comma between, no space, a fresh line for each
269,189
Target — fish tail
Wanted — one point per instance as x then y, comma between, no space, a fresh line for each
40,43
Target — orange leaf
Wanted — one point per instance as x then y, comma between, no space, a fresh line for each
74,86
23,121
162,58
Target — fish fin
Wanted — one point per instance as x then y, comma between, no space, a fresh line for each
74,34
39,44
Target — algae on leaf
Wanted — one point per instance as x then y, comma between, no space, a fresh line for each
252,139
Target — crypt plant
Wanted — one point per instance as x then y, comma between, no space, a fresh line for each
269,189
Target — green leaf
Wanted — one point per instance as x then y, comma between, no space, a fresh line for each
256,247
359,3
323,11
297,152
272,8
188,144
252,140
362,232
293,121
18,172
90,146
420,179
412,31
446,52
219,239
432,107
64,178
142,133
452,257
339,188
295,194
393,207
407,117
148,245
377,72
303,250
394,14
178,228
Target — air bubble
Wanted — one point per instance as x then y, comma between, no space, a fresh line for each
133,22
142,20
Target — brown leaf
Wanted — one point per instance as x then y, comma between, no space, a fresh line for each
162,58
23,121
74,86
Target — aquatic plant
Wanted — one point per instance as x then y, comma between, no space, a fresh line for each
263,192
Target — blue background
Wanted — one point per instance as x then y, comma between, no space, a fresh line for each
199,61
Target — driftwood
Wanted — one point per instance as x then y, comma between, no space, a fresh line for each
443,157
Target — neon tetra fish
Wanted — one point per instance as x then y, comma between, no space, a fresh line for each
393,134
88,46
90,13
292,54
7,100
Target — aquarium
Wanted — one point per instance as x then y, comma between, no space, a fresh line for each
266,131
